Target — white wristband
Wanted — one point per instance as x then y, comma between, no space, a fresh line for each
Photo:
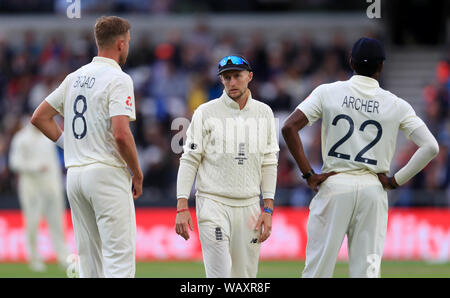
60,141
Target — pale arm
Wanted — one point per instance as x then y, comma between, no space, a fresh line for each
127,149
43,119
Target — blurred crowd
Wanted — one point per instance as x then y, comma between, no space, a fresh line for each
432,185
174,77
176,6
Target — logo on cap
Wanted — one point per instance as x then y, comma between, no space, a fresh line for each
368,50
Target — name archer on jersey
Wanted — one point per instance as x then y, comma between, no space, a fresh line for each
363,105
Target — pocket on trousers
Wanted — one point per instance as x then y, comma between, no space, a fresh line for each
314,201
200,206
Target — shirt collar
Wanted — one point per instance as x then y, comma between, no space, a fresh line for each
234,105
106,60
365,81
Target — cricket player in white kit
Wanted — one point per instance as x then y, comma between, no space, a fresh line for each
231,150
360,122
34,158
97,103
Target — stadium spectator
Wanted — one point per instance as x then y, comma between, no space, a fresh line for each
173,74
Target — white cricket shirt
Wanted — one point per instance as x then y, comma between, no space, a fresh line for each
87,99
30,152
229,147
360,122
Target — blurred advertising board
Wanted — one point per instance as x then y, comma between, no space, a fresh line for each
413,234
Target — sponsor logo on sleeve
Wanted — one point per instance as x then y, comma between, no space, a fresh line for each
129,104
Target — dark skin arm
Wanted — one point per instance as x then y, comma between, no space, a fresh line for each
384,179
296,121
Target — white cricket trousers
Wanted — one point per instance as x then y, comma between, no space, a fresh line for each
37,200
352,205
104,220
228,238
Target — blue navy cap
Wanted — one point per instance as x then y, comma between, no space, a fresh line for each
233,62
368,50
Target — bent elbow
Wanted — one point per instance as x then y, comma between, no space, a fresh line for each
120,138
286,129
34,119
431,149
434,149
37,121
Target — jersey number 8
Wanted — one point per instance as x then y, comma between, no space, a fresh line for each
359,157
79,115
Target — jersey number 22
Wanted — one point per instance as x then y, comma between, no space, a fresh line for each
359,157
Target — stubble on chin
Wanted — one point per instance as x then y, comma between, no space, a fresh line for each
235,96
122,61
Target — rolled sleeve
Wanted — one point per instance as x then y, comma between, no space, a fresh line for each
269,181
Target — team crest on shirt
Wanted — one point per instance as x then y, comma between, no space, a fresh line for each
241,155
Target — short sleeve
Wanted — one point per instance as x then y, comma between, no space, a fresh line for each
121,98
409,121
56,98
312,105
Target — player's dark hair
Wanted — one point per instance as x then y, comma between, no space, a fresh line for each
366,69
107,29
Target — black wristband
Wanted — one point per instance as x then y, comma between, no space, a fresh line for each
309,174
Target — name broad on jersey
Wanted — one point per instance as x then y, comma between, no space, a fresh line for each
363,105
84,81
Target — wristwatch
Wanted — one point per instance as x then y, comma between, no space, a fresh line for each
309,174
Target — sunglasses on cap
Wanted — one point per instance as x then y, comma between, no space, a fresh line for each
235,60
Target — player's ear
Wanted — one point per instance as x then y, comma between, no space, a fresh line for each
120,43
250,76
351,64
380,67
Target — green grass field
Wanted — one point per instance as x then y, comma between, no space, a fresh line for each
269,269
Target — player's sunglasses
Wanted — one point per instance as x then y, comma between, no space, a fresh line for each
235,60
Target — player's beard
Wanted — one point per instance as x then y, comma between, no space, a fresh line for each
237,95
122,59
